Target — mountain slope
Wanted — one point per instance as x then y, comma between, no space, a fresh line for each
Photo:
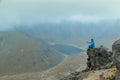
76,33
68,65
20,53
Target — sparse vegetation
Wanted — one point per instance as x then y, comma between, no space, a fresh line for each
20,53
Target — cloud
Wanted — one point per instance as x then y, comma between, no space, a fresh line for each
84,18
18,12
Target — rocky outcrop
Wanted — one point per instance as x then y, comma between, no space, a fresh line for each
116,57
99,66
98,58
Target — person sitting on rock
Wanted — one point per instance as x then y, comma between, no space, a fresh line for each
91,44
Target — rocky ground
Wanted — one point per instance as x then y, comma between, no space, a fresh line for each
103,74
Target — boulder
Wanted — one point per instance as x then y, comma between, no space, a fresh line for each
116,57
98,57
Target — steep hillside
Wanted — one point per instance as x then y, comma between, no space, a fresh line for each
20,53
68,65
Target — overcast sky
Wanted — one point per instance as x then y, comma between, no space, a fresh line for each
17,12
